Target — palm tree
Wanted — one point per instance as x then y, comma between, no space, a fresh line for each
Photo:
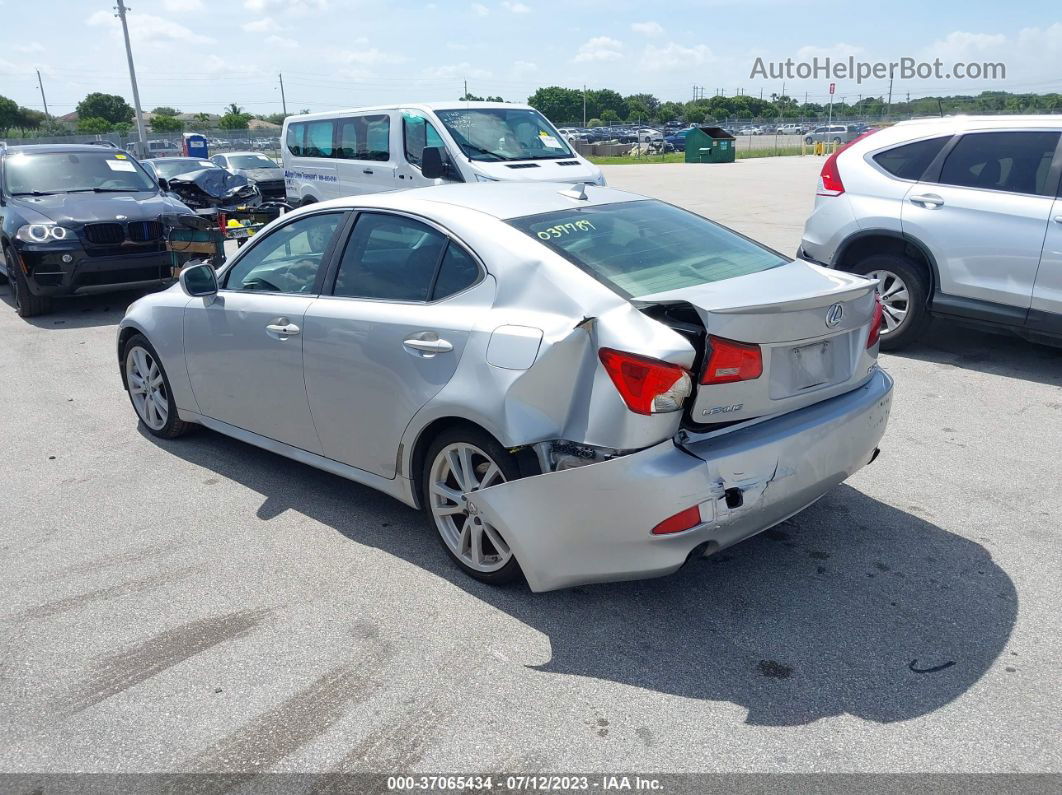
234,109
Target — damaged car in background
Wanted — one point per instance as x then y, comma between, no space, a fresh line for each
203,185
576,384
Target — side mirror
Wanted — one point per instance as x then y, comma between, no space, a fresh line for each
164,184
199,280
432,165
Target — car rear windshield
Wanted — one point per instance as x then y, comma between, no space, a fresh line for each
251,161
642,247
74,172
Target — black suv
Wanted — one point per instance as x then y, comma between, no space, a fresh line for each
80,219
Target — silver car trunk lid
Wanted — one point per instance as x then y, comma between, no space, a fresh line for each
810,324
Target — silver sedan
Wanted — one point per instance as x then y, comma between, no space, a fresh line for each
575,383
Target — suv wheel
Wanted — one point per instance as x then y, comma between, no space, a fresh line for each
26,303
904,292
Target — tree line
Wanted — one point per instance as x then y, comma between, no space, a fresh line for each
103,113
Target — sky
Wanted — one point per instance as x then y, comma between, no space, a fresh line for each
200,55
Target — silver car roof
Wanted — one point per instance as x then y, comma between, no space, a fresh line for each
503,200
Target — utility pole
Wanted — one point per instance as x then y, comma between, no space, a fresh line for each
584,104
465,97
888,107
283,101
132,78
43,100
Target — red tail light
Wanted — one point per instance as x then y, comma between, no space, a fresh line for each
875,322
647,386
683,520
730,361
830,183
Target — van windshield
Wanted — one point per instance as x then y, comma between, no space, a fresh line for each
492,134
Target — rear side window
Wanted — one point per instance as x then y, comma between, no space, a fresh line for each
457,271
1017,162
910,161
312,138
390,258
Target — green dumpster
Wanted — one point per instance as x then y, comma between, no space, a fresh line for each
709,145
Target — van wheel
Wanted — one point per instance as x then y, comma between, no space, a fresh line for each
307,200
459,462
904,291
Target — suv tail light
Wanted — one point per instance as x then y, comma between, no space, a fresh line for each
830,183
730,361
875,321
647,386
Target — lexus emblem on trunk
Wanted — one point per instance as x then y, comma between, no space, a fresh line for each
834,315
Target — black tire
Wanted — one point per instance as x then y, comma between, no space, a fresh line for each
510,469
836,140
809,140
307,200
26,303
917,283
174,426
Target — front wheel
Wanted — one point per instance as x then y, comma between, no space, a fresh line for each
460,462
26,303
904,294
149,390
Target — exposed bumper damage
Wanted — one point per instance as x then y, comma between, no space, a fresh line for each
597,520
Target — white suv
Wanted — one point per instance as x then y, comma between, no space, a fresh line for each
959,217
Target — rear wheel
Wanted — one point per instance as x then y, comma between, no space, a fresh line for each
904,291
460,462
26,303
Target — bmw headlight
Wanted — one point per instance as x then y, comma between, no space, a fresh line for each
42,233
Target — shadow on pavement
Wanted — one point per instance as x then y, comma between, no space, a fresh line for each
994,354
851,607
83,311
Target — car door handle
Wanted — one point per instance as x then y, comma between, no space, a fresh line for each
427,344
283,329
1058,219
929,199
366,171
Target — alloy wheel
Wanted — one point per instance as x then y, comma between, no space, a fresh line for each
147,388
895,299
458,470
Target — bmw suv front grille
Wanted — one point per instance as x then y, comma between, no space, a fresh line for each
104,234
114,238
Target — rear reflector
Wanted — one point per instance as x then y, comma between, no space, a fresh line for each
875,322
730,361
683,520
647,386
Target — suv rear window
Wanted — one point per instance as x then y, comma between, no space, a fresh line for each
910,161
643,247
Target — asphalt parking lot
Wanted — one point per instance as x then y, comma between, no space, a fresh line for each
200,605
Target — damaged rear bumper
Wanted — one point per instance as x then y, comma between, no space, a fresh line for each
593,523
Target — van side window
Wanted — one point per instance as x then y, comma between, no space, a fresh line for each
418,133
294,138
1016,162
318,141
365,138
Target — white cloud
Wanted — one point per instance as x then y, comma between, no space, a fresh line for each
181,6
32,47
366,57
456,71
648,28
281,41
599,48
480,10
263,25
516,8
149,29
524,68
835,52
674,57
295,8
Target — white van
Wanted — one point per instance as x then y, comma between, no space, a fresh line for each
369,150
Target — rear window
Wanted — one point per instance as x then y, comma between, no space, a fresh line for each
643,247
910,161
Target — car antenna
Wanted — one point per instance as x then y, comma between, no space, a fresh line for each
576,191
